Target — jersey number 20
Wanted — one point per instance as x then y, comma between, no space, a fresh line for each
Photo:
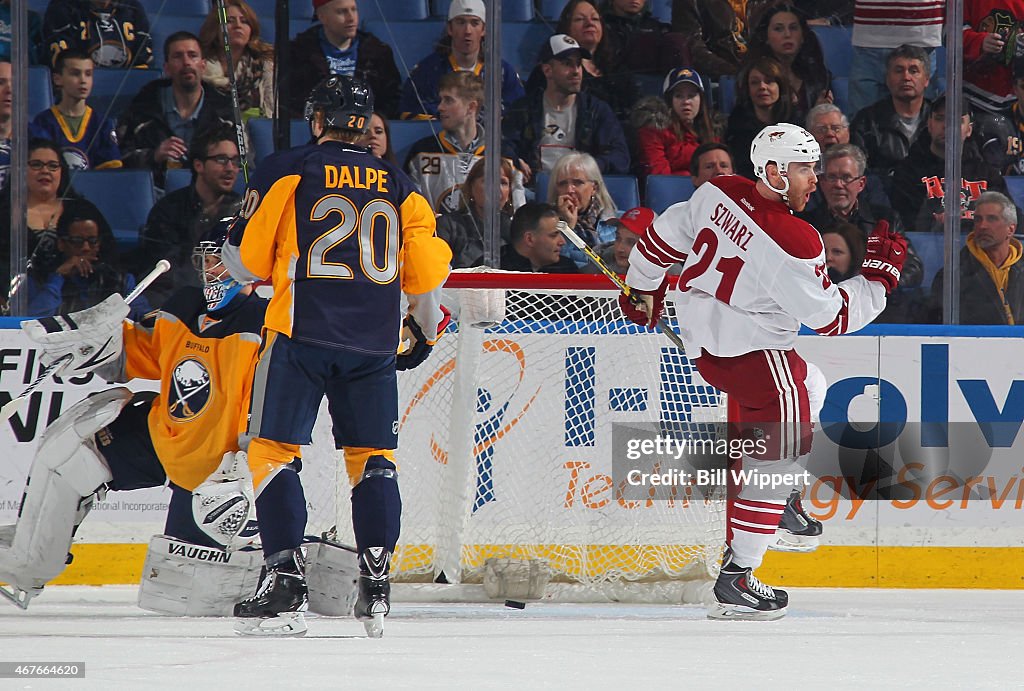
381,270
706,249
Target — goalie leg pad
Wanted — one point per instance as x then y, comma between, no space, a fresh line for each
188,580
332,574
66,474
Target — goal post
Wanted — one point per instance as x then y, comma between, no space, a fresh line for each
506,456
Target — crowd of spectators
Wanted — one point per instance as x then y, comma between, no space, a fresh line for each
614,90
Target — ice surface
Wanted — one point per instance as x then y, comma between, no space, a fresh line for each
864,639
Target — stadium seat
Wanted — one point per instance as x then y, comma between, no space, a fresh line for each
405,133
390,10
624,191
836,45
521,42
665,190
113,90
410,41
841,94
181,8
726,94
1015,186
649,84
40,92
165,25
930,247
662,9
261,136
551,9
622,188
123,196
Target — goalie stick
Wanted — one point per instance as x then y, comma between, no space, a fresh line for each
222,19
575,239
54,368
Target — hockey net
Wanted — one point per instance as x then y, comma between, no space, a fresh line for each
505,444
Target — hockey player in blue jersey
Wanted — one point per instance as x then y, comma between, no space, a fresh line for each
342,234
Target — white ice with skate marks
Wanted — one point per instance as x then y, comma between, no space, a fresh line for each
832,638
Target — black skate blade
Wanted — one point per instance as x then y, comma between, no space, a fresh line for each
284,624
724,612
374,626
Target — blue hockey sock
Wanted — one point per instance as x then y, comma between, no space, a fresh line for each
377,506
281,513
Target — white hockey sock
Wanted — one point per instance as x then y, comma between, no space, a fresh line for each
753,526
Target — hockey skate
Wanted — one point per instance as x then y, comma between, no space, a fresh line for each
740,595
797,531
278,605
373,603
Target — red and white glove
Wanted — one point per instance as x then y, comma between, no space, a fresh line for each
883,260
644,307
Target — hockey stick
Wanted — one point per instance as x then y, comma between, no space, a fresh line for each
616,279
54,368
222,19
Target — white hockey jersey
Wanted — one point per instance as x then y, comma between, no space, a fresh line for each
439,167
752,273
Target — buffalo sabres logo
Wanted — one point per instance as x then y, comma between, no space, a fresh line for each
190,389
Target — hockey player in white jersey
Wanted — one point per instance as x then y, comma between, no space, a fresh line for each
752,274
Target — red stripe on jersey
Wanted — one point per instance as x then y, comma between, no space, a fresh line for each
893,13
654,255
841,323
653,237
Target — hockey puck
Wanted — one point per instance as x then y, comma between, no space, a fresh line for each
515,604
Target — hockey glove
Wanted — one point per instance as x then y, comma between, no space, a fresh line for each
419,348
92,336
644,307
883,260
224,505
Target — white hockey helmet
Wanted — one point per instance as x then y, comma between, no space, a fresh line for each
783,143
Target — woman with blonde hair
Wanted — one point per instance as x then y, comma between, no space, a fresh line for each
253,59
577,189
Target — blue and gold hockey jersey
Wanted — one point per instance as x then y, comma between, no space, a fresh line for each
204,367
93,146
341,234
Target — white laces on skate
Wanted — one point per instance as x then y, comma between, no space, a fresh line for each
758,587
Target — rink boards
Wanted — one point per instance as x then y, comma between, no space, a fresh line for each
952,405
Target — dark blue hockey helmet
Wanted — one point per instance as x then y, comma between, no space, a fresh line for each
218,284
346,103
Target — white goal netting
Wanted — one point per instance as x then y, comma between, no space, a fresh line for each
505,443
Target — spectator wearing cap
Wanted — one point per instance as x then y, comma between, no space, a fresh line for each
337,46
919,189
604,75
709,161
628,229
669,129
460,50
540,128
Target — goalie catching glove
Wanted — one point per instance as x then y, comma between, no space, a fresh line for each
93,336
883,260
644,307
418,346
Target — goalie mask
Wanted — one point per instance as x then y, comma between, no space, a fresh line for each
218,285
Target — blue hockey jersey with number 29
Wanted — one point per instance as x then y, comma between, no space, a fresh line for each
342,234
